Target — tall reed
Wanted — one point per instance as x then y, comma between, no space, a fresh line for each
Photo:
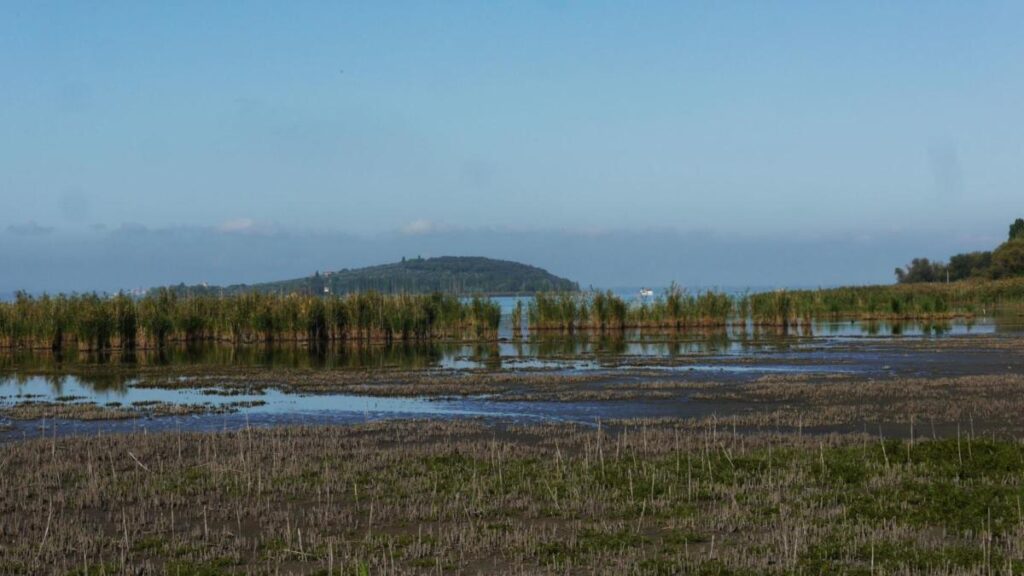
94,322
678,309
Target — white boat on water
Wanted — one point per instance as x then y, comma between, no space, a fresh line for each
646,292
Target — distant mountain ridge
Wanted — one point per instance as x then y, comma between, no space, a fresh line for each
453,274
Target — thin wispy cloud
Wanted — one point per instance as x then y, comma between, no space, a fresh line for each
944,162
237,225
31,228
423,227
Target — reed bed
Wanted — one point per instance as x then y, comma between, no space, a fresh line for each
572,311
677,309
461,497
93,322
892,302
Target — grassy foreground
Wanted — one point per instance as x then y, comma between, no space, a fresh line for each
462,497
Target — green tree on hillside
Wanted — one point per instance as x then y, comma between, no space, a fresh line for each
971,264
1008,259
1017,229
921,270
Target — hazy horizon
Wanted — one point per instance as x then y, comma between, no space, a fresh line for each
133,256
796,144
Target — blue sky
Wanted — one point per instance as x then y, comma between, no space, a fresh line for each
896,124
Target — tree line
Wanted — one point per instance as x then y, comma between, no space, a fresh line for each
1004,262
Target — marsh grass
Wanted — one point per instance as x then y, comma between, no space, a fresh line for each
65,410
572,311
444,497
677,309
92,322
994,401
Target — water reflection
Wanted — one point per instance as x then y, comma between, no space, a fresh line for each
539,350
355,357
71,390
61,384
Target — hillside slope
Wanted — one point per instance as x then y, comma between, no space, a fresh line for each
454,274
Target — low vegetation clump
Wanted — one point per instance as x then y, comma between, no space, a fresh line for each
93,322
461,497
63,410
